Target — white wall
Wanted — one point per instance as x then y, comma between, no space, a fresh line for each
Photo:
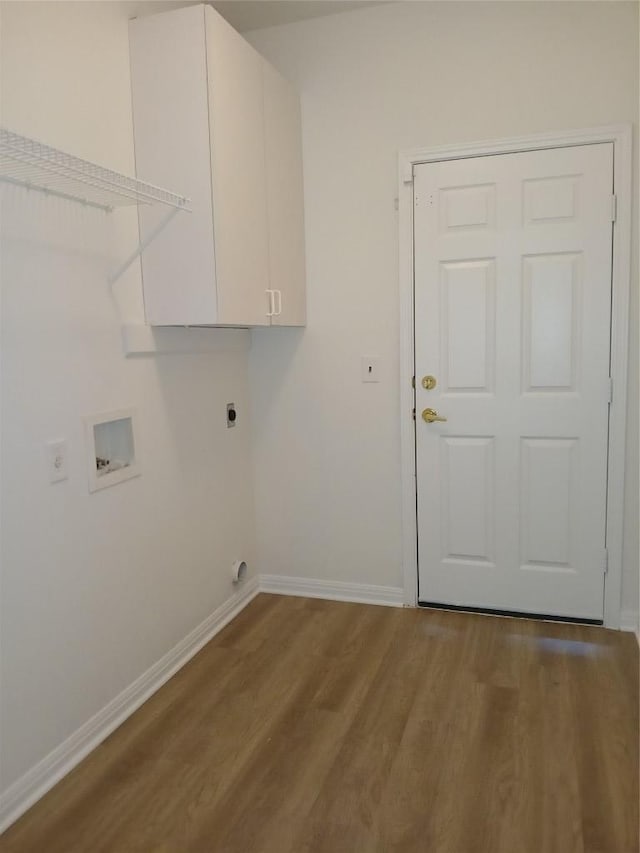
97,587
373,82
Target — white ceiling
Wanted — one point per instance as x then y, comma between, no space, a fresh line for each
246,15
256,14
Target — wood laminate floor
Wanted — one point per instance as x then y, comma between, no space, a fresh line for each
312,726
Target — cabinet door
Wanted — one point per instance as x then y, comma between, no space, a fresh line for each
236,127
172,150
283,156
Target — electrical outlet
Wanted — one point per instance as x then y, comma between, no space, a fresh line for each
56,452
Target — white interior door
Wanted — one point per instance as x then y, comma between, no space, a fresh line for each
512,258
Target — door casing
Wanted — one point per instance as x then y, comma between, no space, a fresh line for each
621,137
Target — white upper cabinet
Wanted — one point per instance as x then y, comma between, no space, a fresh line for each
214,119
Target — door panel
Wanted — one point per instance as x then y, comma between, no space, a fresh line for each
548,491
549,200
467,499
465,208
467,302
512,317
551,318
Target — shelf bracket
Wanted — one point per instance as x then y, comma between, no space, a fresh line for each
124,266
33,165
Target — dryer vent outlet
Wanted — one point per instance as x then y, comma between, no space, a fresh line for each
239,571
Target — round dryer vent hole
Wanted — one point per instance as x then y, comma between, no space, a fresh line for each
239,571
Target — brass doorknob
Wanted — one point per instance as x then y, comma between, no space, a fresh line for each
431,416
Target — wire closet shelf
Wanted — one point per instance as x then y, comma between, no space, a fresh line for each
32,164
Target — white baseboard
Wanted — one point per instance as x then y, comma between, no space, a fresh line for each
363,593
44,775
629,621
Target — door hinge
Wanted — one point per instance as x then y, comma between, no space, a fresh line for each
413,414
610,390
614,207
408,175
606,561
413,382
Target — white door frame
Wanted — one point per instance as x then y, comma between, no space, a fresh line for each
621,137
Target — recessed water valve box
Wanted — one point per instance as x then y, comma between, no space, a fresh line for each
111,448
